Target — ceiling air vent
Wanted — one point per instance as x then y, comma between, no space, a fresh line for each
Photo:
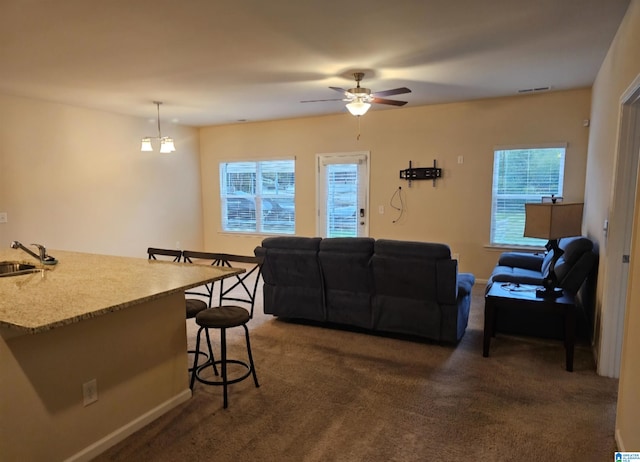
533,90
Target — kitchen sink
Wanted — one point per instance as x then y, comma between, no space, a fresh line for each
16,268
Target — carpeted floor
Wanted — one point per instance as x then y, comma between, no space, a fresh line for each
335,395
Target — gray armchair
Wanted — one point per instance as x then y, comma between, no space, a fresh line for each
571,269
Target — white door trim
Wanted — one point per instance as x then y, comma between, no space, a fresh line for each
338,158
620,232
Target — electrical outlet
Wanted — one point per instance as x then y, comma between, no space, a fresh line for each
3,217
90,392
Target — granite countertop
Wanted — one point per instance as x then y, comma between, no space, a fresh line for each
83,286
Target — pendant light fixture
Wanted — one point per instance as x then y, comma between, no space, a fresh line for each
166,143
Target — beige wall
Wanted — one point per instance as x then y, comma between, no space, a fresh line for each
137,356
75,179
620,68
456,211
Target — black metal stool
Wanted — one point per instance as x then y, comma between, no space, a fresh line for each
193,305
227,316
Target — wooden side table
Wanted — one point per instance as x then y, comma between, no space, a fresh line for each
508,296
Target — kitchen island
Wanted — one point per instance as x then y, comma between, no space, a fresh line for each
117,320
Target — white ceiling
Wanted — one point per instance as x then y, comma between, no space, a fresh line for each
220,61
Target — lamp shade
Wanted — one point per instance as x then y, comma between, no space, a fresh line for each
146,145
553,221
358,107
166,145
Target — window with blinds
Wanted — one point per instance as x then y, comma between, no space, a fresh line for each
521,176
258,197
342,197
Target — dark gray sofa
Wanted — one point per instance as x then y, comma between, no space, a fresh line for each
403,287
575,271
571,269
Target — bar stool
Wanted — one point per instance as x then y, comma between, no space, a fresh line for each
227,316
193,305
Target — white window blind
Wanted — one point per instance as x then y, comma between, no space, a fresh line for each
521,176
258,196
342,194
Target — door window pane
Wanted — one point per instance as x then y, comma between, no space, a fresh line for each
342,200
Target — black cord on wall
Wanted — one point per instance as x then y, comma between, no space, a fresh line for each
397,192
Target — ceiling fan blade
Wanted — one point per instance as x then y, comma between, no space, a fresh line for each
341,90
320,100
393,102
395,91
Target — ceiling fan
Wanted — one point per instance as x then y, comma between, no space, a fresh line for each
360,98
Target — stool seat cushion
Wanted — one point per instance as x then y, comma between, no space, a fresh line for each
222,317
195,306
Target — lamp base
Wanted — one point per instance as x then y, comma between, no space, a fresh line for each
549,292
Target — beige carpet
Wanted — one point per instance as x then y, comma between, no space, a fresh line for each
333,395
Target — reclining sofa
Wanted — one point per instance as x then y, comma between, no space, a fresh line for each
575,267
571,269
402,287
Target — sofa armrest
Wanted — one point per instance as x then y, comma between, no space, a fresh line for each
465,283
530,261
451,284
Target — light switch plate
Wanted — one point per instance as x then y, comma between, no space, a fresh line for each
3,217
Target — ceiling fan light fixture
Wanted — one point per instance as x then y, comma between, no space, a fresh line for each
358,107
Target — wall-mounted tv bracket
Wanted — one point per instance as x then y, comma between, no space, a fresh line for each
423,173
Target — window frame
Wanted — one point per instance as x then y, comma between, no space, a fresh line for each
524,242
257,195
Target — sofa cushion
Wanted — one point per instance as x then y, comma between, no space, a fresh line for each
574,248
293,284
531,261
292,243
347,279
422,250
515,275
345,263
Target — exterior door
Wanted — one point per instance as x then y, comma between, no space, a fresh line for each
343,192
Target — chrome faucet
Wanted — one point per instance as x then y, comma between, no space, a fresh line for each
42,251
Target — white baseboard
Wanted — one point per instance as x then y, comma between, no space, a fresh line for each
130,428
619,442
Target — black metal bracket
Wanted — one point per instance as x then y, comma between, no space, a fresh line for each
423,173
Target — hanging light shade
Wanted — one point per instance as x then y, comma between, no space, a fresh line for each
358,107
146,145
166,143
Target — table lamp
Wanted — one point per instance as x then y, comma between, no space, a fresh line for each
552,220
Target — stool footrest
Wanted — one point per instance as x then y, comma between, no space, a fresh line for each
221,382
199,353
